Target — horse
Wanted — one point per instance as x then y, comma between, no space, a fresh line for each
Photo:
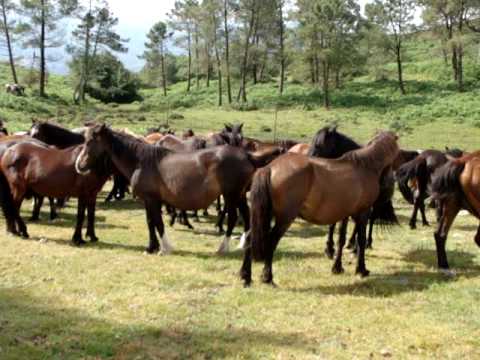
186,181
231,135
455,186
300,148
28,167
331,144
418,172
62,138
15,89
321,191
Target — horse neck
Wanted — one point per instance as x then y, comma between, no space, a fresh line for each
124,165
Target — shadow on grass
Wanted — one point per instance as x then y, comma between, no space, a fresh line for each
457,259
39,328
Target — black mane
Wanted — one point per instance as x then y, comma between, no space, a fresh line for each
53,134
337,144
133,149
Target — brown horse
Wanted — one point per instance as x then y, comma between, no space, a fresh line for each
300,148
455,185
321,191
50,172
186,181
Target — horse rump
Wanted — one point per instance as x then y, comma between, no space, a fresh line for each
445,180
382,210
408,171
260,214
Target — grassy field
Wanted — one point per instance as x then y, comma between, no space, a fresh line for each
110,300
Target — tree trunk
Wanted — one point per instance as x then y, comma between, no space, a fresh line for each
219,63
398,53
337,77
460,84
164,75
242,94
227,51
9,43
454,63
312,71
317,69
42,50
86,56
207,54
326,89
197,60
282,46
189,74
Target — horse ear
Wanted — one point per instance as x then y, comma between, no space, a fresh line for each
240,127
447,148
333,129
228,127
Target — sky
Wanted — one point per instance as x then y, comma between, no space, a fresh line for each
135,20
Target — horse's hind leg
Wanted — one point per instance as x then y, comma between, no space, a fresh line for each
370,232
186,222
232,213
91,221
246,269
77,235
330,247
37,205
53,209
422,213
337,266
449,212
361,221
245,214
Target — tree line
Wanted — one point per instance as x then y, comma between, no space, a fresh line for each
237,42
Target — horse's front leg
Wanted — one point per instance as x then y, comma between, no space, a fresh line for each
416,203
370,232
153,245
337,266
330,246
165,245
246,269
77,235
91,220
361,221
232,214
245,214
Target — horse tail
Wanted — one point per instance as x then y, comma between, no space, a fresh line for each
383,210
261,214
446,180
6,200
407,172
263,159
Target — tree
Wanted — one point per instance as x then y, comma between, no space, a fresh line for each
227,49
95,32
281,35
396,19
6,7
40,31
156,49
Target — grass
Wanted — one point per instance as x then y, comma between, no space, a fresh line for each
109,300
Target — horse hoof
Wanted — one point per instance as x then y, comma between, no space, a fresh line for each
33,219
25,236
78,242
330,253
151,250
448,273
338,270
426,224
93,239
413,226
363,273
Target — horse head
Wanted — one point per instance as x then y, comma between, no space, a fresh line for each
232,134
92,150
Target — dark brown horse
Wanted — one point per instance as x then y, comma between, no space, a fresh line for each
417,174
186,181
455,186
321,191
28,167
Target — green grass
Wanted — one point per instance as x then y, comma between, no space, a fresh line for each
109,300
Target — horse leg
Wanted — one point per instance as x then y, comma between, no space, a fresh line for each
370,232
413,219
422,213
91,221
173,214
53,209
184,216
77,235
153,245
245,214
37,205
449,212
246,269
361,221
18,194
352,242
165,246
220,220
330,247
477,236
337,266
195,216
231,209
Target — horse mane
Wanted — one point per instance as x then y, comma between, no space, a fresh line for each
343,142
57,135
135,150
372,156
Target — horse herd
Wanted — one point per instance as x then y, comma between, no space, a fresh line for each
329,181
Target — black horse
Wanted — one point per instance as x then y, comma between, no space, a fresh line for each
417,174
329,143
